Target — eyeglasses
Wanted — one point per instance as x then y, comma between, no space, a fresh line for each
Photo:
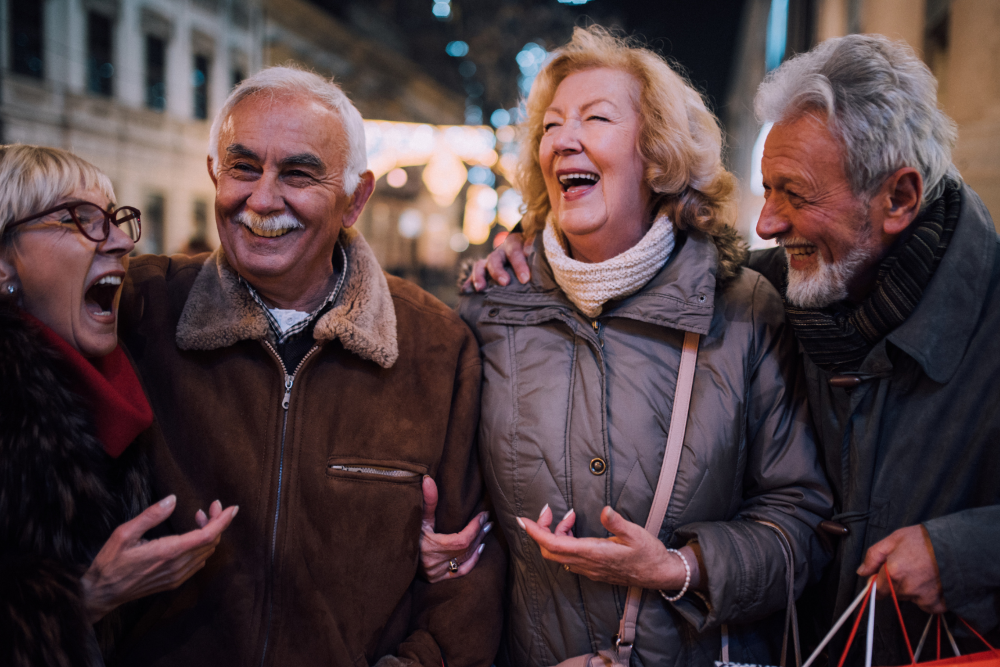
93,221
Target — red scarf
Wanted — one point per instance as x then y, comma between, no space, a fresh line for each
109,383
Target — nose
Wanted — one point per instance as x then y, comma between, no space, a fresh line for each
566,138
265,197
117,244
771,222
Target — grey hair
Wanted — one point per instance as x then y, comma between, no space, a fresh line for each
39,177
880,102
293,80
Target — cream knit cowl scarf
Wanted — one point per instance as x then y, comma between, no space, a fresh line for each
590,286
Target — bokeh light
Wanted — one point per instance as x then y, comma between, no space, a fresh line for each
457,49
396,178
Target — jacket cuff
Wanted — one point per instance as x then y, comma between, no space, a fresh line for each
970,574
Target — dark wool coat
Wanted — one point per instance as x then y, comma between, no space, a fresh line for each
61,496
918,442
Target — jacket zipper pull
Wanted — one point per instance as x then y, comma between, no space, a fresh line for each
289,379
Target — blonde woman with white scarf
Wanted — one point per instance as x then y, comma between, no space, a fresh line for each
634,260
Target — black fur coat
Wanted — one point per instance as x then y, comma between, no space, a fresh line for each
61,496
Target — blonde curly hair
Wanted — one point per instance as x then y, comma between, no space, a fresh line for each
680,139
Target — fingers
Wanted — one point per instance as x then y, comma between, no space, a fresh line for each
131,531
565,527
430,492
468,563
876,557
496,263
616,524
201,519
545,517
513,246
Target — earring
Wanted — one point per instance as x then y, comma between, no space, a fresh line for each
10,289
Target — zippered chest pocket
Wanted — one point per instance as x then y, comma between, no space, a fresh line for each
399,472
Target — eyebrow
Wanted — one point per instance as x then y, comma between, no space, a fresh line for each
587,105
303,160
239,150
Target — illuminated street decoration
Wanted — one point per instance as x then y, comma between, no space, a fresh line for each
444,151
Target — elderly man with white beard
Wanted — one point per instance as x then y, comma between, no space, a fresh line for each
889,267
294,378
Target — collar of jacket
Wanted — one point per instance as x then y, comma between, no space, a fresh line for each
220,312
681,296
938,331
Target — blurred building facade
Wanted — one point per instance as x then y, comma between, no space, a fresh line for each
130,85
958,39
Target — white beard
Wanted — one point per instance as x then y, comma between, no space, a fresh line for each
828,283
271,223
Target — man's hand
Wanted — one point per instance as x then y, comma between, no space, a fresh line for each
631,557
438,549
510,252
128,567
908,557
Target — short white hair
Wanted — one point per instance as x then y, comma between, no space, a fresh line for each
880,102
295,81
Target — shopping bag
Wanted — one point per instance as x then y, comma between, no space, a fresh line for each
988,658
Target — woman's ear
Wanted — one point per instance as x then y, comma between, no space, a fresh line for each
8,274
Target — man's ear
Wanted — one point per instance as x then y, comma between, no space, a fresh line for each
361,195
899,200
211,172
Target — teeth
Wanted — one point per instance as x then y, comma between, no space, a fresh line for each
109,280
269,234
582,175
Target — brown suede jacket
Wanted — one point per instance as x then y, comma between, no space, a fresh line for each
325,462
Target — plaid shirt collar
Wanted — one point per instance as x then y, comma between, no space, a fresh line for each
313,316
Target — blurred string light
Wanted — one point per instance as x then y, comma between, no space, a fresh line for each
480,211
530,60
457,49
482,176
509,208
411,223
458,242
573,2
397,177
467,68
441,9
505,134
500,118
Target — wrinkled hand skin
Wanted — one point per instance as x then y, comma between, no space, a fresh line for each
511,252
128,567
631,557
907,556
437,549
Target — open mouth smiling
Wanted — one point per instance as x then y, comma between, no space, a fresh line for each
577,180
100,296
269,233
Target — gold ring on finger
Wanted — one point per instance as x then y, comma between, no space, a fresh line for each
453,565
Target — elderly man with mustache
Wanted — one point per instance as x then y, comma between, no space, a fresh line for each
296,379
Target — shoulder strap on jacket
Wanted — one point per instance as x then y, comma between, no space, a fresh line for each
665,485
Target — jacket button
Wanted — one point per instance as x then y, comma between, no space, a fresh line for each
598,466
494,312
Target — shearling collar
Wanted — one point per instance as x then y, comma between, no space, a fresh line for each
220,312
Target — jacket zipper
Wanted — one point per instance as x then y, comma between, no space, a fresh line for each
597,329
285,402
373,470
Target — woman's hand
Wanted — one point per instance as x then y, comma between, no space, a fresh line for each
631,557
129,567
438,549
510,252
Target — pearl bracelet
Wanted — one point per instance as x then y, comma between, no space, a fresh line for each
687,578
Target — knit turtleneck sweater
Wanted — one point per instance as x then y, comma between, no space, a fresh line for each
590,286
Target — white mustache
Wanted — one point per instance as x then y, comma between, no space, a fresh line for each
271,223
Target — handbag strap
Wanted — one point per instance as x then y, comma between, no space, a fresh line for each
665,485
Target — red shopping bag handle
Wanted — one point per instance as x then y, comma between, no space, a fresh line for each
861,612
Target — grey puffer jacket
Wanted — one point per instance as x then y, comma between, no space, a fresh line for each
560,390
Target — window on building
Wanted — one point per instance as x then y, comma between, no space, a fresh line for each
154,224
156,73
26,30
199,79
100,71
238,75
200,219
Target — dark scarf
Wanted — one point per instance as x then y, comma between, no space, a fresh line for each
838,338
111,386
